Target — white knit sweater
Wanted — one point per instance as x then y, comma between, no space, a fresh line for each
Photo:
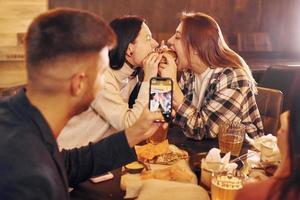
111,105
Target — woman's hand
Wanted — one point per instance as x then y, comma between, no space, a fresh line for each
169,69
150,65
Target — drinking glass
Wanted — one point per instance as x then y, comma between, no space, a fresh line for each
231,137
159,136
224,185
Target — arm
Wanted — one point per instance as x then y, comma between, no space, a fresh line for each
27,169
170,70
94,159
120,116
111,152
224,104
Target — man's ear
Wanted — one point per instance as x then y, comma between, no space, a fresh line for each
78,84
130,50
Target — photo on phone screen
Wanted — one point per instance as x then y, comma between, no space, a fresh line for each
161,92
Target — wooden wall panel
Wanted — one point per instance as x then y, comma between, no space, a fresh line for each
279,18
15,16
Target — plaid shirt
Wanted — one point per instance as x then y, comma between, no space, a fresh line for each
228,98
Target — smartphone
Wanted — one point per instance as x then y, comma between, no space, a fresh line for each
103,177
161,96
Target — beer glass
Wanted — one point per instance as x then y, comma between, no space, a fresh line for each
231,137
224,185
159,136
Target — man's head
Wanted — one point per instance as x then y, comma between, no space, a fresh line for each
65,50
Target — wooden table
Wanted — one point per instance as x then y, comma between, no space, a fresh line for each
110,190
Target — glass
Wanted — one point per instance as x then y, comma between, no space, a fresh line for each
231,137
207,168
224,185
159,136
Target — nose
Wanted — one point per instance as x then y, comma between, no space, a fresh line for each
154,43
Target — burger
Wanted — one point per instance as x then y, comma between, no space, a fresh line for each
162,153
166,50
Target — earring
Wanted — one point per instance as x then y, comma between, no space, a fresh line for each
195,53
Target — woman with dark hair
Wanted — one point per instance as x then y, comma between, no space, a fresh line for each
216,86
114,108
285,184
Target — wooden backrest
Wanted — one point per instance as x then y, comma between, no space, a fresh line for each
269,102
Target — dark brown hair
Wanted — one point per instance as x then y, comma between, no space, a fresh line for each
127,29
290,188
64,32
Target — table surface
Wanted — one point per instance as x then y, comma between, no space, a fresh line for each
110,190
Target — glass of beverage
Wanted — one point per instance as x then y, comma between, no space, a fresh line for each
159,136
231,137
224,185
207,168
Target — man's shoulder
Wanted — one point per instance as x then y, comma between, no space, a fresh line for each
18,138
26,163
27,169
10,121
4,106
16,132
7,108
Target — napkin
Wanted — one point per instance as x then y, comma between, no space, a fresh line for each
258,141
166,190
268,147
213,161
253,157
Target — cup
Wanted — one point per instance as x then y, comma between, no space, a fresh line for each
159,136
207,168
224,185
231,137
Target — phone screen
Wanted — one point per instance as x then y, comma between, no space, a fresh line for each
161,92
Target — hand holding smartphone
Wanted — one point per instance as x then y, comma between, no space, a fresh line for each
160,96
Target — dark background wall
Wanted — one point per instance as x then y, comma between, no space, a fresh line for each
279,19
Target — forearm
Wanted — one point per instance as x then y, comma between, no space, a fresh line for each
189,119
178,97
94,159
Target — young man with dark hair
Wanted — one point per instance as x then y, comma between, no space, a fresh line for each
66,50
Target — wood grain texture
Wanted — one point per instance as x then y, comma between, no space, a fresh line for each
278,18
15,16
